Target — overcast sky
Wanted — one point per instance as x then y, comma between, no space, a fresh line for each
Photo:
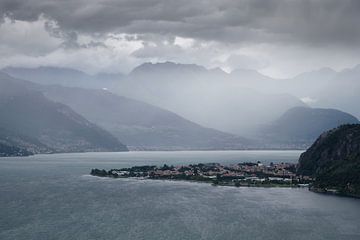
278,38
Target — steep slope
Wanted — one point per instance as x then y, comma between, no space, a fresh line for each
300,126
9,150
334,160
15,144
140,125
31,121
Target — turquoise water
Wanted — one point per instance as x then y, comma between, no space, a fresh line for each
53,197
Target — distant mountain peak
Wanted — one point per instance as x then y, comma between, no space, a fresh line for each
167,66
302,125
245,73
50,75
306,113
242,70
45,69
351,70
321,72
327,70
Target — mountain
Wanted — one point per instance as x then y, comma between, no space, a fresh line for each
65,77
140,125
211,98
342,92
252,79
150,82
167,68
31,121
12,144
15,144
300,126
326,88
309,84
322,74
11,151
334,160
137,124
208,97
321,88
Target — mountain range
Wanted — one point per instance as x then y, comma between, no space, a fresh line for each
65,76
168,106
139,125
207,97
32,122
321,88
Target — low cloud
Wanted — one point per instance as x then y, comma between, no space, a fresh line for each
308,100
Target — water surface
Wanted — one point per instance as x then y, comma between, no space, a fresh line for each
53,197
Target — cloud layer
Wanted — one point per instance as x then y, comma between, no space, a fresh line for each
214,33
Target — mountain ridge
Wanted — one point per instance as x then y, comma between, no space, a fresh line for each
141,125
302,125
33,122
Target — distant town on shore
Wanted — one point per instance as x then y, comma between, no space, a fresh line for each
242,174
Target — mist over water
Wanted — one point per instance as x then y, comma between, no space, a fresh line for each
53,197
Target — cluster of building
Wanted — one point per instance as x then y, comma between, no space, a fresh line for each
281,173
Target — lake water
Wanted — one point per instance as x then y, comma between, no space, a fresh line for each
53,197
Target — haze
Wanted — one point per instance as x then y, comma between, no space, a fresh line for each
237,67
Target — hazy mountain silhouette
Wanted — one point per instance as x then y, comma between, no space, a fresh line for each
211,98
29,120
342,92
300,126
140,125
65,77
215,100
236,103
322,88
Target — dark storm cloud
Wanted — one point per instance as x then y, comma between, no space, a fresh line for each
288,21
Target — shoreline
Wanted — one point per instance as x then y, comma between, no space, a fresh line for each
221,184
245,174
161,150
334,192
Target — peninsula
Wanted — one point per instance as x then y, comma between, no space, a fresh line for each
242,174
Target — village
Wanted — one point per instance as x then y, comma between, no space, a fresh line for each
242,174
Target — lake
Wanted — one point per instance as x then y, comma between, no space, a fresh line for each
54,197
